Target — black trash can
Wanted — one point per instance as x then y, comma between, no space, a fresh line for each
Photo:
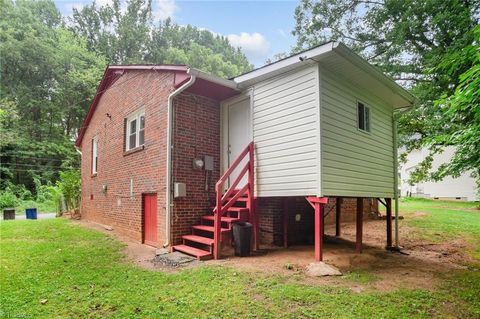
8,213
242,237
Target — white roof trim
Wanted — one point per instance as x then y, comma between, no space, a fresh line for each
299,58
212,78
310,57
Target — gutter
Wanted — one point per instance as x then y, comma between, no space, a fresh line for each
396,168
212,78
168,194
395,177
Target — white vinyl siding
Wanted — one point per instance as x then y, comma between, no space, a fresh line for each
286,134
354,162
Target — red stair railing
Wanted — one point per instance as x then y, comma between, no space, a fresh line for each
223,203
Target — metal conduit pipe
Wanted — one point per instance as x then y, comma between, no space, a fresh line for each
168,193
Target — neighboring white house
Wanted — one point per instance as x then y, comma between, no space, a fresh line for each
461,188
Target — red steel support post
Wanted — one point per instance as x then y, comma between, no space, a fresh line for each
359,219
217,225
318,232
388,201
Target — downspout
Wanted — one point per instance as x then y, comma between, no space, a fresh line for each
395,178
168,194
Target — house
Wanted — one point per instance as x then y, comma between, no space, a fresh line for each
165,147
461,188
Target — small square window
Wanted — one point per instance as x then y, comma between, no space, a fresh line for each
135,130
363,117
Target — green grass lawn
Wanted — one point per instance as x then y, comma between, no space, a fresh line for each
444,220
82,273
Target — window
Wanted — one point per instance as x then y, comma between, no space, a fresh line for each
94,155
363,117
135,130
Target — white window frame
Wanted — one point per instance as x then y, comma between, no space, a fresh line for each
367,117
132,117
94,155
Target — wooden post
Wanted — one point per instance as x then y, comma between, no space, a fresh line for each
318,232
285,221
388,201
359,219
338,209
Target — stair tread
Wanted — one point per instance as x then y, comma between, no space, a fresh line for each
236,209
199,253
239,209
224,219
208,228
199,239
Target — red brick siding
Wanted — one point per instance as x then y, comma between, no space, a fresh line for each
196,133
270,212
133,90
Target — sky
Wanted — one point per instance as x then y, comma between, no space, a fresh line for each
260,28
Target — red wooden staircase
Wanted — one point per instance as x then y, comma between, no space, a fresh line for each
236,204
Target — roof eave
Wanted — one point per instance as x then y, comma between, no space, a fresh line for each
213,79
312,56
348,54
288,63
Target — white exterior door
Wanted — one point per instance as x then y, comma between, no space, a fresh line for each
239,135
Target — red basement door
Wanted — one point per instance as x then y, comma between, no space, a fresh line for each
150,219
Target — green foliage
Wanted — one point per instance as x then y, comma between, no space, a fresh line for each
431,48
70,187
7,199
56,198
20,191
134,36
48,79
42,191
51,66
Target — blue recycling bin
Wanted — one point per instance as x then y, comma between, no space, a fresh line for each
31,213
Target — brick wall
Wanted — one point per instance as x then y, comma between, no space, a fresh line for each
146,168
196,133
300,228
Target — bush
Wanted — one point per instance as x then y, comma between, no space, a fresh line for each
56,198
70,187
44,193
8,199
20,191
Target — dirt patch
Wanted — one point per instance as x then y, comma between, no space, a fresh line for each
418,215
423,266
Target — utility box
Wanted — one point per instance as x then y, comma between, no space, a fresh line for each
208,163
179,190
